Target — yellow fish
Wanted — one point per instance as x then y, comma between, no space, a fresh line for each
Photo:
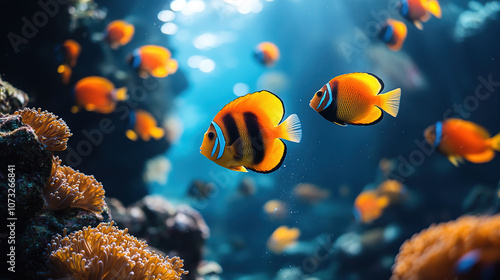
246,134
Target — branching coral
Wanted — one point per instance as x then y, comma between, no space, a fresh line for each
68,188
105,252
52,132
434,252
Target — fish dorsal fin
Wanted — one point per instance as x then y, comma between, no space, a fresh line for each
374,83
261,103
469,126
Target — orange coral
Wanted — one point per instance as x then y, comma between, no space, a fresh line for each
68,188
52,132
433,253
106,252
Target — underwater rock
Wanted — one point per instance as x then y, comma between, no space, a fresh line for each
11,99
179,231
25,158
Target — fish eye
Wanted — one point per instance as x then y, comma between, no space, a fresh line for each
211,135
319,93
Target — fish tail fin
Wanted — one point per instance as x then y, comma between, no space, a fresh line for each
172,66
131,135
157,133
121,94
495,142
389,101
291,129
418,24
434,8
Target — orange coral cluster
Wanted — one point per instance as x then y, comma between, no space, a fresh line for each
68,188
433,253
105,252
52,132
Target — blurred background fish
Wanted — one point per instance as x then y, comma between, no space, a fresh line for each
153,60
118,33
97,94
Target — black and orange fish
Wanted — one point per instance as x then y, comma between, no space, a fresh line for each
393,33
246,133
355,99
418,11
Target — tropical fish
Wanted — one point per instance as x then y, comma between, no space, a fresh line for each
144,126
282,238
480,264
393,189
97,94
267,53
70,50
118,33
153,60
310,193
458,139
275,208
200,190
369,206
418,11
393,33
355,99
247,186
247,133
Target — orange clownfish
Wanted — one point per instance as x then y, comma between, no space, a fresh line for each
144,126
282,238
418,11
118,33
267,53
355,99
97,94
458,139
153,60
70,50
393,33
246,133
369,206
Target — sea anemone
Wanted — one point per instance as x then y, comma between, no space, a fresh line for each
68,188
434,252
52,132
106,252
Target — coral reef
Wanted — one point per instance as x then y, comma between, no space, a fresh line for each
11,99
175,230
105,252
68,188
52,132
434,252
26,159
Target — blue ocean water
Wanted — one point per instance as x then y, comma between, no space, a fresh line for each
449,69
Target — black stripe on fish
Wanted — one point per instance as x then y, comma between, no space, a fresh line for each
330,112
231,128
277,166
253,129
